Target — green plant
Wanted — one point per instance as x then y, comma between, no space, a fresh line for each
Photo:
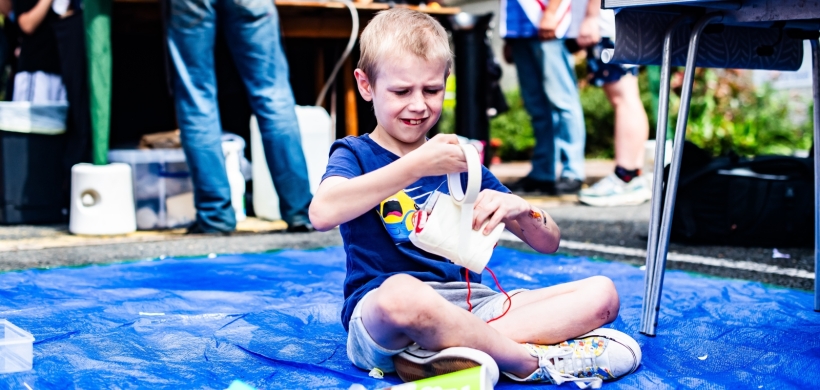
728,114
599,119
514,129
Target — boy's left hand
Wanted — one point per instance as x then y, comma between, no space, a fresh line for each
495,207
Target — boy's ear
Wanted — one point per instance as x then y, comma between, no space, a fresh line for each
363,82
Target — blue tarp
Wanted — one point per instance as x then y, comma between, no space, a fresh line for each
272,320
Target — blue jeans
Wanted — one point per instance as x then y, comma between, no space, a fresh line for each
251,28
548,87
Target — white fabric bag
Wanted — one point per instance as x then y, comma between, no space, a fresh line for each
444,224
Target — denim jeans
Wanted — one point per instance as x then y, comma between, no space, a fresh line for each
548,87
251,28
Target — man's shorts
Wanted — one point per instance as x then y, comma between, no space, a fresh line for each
366,354
600,73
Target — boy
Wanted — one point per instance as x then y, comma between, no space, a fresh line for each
396,294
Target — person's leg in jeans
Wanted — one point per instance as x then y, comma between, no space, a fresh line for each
529,59
252,32
191,37
562,89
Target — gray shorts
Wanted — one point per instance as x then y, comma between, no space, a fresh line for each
363,351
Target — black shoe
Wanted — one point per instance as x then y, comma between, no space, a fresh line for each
529,186
567,186
300,228
197,228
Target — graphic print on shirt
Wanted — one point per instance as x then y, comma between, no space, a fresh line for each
398,210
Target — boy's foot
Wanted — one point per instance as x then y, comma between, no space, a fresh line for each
417,363
567,186
612,191
530,186
603,354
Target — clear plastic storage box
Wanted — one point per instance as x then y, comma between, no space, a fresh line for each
163,192
15,348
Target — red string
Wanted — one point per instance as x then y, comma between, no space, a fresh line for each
505,294
469,292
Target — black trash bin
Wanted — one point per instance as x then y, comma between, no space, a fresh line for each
471,52
33,179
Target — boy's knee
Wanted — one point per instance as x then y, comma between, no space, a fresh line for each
399,299
607,296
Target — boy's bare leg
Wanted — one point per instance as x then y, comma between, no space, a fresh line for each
631,123
554,314
405,310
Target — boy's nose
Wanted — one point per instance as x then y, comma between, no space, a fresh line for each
417,104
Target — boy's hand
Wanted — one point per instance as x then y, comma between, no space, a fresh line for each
439,156
495,207
548,25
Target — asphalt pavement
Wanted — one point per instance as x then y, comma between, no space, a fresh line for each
611,233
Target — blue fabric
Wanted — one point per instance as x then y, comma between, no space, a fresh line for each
251,28
516,22
377,243
548,87
271,320
641,32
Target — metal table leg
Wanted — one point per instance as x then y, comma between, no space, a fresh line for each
815,62
647,325
655,276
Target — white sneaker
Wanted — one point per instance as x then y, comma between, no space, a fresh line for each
603,354
417,363
612,191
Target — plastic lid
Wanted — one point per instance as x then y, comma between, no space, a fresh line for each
146,156
13,334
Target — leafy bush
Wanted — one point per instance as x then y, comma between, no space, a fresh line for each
514,129
727,114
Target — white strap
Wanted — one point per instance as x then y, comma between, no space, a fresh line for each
466,200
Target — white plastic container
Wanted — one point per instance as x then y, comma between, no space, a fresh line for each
232,151
16,353
317,135
40,118
102,200
649,155
163,191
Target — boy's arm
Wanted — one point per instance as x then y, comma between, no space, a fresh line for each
339,199
530,224
537,229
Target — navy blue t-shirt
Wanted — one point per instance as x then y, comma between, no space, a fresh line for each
377,242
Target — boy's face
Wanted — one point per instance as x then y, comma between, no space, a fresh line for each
407,96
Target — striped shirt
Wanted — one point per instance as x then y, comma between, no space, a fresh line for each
520,18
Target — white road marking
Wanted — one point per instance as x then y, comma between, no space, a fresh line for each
679,257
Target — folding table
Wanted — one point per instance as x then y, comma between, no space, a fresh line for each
750,34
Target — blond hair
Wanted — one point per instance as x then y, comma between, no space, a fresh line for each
402,31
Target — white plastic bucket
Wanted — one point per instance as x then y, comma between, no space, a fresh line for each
317,135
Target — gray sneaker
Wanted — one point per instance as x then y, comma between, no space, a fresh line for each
587,361
612,191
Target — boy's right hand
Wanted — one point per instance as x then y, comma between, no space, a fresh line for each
439,156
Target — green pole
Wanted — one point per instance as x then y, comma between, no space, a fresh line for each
97,20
